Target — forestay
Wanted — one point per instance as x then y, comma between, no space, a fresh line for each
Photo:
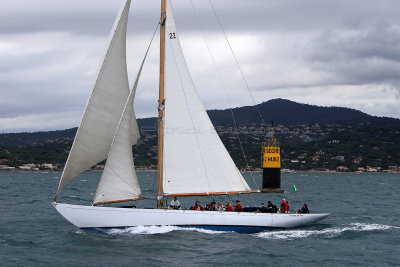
195,159
104,108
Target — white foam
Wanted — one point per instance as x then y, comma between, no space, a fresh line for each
150,230
328,232
80,232
205,231
143,230
370,227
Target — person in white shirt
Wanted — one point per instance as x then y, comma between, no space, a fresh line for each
175,204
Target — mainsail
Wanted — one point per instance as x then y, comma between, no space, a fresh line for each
104,108
195,160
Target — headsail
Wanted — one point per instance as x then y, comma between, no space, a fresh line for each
195,159
104,108
119,181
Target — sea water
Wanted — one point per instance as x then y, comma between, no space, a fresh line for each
364,227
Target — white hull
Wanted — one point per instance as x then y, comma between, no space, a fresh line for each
112,217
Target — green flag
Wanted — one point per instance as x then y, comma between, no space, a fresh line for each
294,188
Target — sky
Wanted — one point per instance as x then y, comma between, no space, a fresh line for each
326,53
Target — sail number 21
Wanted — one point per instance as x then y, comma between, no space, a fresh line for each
172,35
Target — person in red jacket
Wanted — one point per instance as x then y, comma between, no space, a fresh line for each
228,207
284,206
197,206
219,207
238,206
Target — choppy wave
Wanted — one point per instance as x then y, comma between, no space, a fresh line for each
150,230
328,232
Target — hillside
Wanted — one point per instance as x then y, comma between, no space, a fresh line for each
311,137
290,113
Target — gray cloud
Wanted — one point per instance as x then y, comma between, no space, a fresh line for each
318,52
363,54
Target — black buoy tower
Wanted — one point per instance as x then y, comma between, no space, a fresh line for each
271,164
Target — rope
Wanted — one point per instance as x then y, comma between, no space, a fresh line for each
299,197
225,91
237,62
154,173
148,48
240,70
290,182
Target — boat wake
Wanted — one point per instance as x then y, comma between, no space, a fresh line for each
142,230
327,233
150,230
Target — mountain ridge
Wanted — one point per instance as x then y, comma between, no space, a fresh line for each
287,112
281,111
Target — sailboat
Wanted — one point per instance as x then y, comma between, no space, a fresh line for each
192,160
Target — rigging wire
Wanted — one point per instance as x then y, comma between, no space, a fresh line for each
148,48
225,90
237,62
291,182
240,70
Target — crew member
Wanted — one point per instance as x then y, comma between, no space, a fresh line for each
197,206
304,209
284,206
238,206
175,204
211,206
220,207
228,207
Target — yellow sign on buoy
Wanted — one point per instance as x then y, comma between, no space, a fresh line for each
271,157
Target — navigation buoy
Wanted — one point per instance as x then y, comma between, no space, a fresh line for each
271,164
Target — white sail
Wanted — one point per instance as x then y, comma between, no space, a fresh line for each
104,108
195,159
119,181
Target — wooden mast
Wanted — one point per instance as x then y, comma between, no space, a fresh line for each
161,108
